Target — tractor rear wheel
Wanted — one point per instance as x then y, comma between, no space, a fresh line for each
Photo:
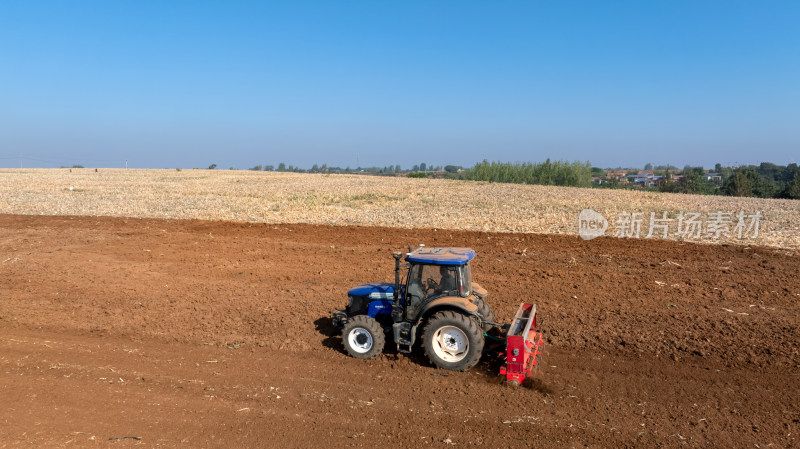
486,312
363,337
453,341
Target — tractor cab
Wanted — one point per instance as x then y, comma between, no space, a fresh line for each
435,273
440,275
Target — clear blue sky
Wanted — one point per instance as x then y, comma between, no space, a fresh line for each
191,83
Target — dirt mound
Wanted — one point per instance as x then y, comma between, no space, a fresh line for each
652,342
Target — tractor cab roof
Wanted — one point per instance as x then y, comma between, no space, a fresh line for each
441,256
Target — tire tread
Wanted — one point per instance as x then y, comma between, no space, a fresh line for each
465,323
374,328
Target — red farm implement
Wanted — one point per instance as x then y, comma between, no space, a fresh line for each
524,346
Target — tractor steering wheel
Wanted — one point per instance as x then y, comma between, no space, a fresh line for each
430,284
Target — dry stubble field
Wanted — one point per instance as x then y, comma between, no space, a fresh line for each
154,332
345,200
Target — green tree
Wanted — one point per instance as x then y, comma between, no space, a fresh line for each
667,184
790,172
648,166
694,181
761,186
793,188
281,167
212,166
770,170
545,173
665,167
725,172
739,185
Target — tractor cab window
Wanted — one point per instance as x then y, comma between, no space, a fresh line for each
448,281
426,281
423,280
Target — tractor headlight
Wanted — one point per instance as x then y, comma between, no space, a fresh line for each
349,301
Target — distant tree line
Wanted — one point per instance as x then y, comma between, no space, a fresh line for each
325,168
693,180
558,173
766,180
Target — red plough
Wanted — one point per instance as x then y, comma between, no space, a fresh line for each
524,346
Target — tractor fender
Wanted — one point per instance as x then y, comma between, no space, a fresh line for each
457,303
478,290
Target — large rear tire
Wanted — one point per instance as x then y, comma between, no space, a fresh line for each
453,341
486,312
363,337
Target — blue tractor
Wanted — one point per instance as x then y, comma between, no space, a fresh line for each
433,296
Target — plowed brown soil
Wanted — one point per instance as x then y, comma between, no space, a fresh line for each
153,333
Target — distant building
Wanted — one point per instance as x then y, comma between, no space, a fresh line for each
645,178
716,178
616,175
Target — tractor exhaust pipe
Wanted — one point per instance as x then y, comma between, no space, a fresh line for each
397,311
397,257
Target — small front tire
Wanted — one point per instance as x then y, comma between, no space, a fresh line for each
363,337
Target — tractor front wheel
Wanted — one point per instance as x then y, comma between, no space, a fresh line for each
363,337
453,341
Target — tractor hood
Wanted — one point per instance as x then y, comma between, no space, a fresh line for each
378,290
